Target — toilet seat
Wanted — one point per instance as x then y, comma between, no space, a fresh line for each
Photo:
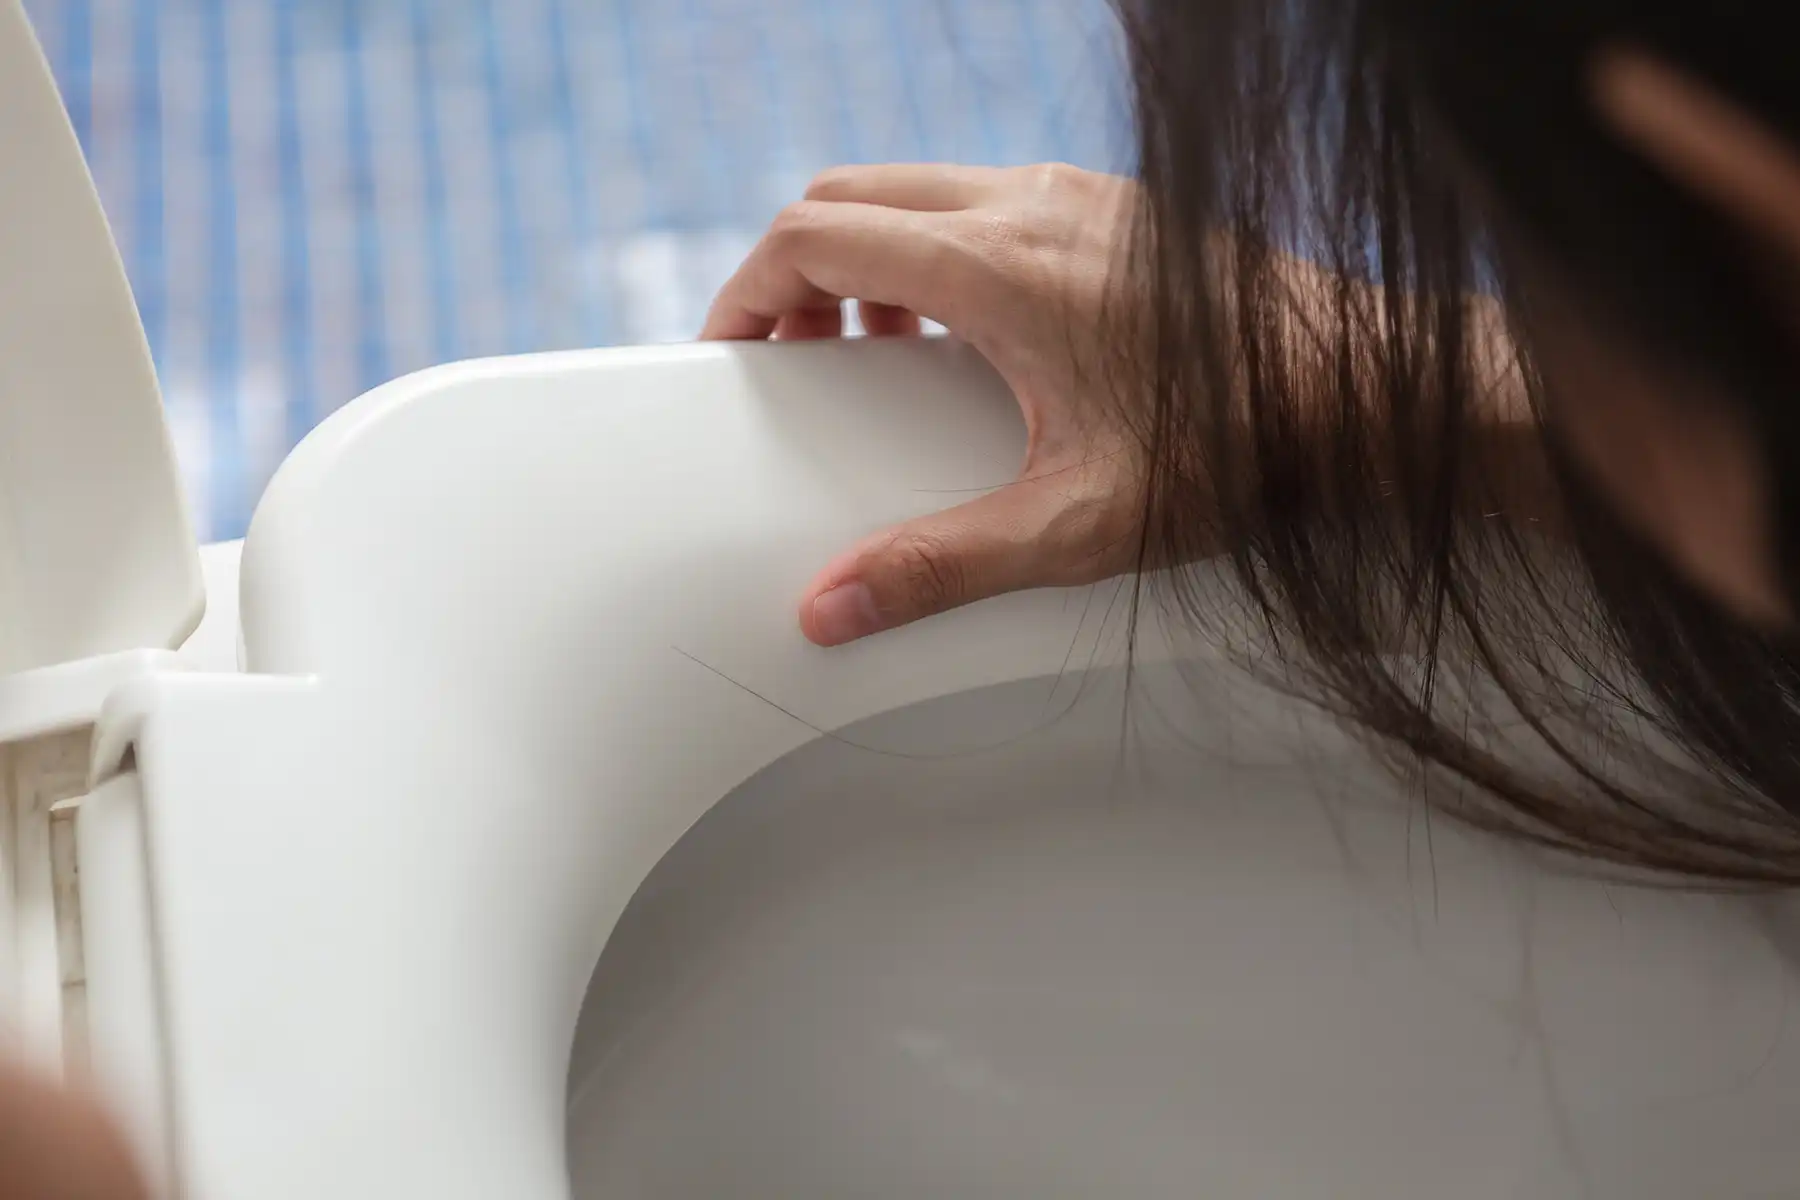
337,912
440,843
324,909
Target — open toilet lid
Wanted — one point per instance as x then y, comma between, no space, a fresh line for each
97,552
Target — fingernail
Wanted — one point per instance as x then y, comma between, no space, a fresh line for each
845,613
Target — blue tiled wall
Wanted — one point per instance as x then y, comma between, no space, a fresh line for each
313,196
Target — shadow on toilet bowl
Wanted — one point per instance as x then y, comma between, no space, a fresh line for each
1111,958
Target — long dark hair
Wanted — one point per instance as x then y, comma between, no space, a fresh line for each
1324,438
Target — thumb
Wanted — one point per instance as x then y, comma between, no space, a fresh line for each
981,549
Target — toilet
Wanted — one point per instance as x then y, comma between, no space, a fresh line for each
482,825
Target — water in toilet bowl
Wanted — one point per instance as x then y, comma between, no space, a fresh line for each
1112,959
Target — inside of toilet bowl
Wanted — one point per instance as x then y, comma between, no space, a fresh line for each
1157,951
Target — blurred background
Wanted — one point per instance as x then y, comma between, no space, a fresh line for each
314,196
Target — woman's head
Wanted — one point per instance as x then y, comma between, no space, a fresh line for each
1614,170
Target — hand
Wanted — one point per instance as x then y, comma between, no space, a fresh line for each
1018,263
57,1146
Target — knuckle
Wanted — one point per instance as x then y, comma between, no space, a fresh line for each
1052,178
1045,214
794,223
930,571
833,183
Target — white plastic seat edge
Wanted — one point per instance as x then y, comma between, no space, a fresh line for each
348,769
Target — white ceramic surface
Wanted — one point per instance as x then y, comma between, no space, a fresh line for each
505,630
512,628
1183,961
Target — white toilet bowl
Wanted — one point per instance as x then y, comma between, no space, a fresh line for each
1205,970
515,690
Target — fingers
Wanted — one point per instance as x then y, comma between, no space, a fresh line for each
1050,530
817,252
811,239
878,320
992,255
921,187
811,324
920,569
883,320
